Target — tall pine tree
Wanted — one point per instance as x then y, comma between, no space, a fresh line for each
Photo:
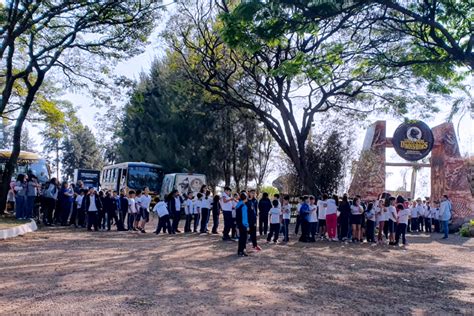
80,150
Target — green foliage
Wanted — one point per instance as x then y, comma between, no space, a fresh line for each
325,161
165,122
27,143
271,190
464,232
80,150
171,121
431,39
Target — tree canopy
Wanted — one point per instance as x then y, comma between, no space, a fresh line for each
247,56
76,40
171,121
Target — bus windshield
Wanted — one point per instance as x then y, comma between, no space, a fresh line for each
141,177
39,168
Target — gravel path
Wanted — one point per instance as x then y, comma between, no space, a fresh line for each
65,270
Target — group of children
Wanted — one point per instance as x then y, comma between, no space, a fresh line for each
103,209
326,218
352,220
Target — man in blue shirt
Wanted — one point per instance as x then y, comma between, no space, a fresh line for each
305,212
241,217
445,215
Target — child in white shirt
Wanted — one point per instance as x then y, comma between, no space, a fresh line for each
392,220
161,209
403,215
197,211
381,214
286,210
370,224
322,204
132,210
313,219
274,216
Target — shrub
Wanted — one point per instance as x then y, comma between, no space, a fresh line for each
464,232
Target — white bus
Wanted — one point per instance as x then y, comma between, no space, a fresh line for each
183,182
132,176
27,162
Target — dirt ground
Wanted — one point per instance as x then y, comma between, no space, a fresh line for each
65,270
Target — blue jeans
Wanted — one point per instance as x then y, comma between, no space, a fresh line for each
286,224
313,226
228,221
20,202
445,228
30,203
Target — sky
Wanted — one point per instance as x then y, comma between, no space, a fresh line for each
142,63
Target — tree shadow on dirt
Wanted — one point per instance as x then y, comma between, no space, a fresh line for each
115,272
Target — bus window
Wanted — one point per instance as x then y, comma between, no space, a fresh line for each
40,170
140,177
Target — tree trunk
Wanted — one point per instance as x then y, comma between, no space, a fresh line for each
57,159
304,179
12,162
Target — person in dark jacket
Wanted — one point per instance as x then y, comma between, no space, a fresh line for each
101,214
66,198
110,208
92,205
123,210
216,212
305,213
241,218
252,205
344,218
174,208
264,207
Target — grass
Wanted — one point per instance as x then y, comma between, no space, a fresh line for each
9,222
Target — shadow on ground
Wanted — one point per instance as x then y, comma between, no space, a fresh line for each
65,270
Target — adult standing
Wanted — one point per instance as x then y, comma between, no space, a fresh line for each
216,212
50,194
435,217
79,186
174,206
252,205
93,205
32,192
65,202
226,205
241,216
305,214
344,217
445,215
264,206
20,196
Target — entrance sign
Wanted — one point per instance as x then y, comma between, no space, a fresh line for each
448,168
413,140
